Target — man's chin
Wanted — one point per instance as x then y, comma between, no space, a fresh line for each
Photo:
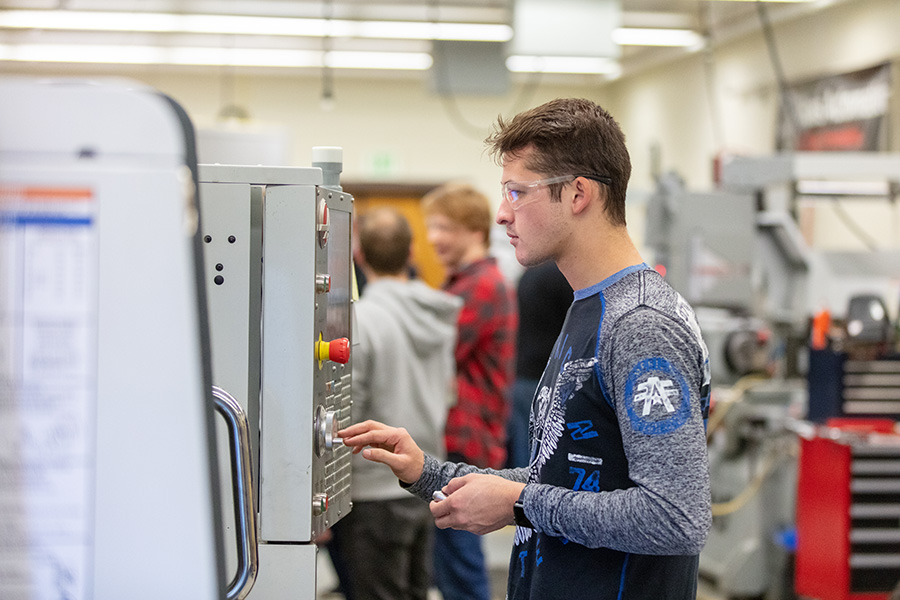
525,259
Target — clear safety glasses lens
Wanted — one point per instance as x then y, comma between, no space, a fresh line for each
520,194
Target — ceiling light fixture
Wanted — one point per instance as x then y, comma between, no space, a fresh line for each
239,57
277,58
636,36
563,64
73,20
151,22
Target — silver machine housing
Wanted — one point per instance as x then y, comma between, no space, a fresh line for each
277,253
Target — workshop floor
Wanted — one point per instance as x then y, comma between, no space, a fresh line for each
497,547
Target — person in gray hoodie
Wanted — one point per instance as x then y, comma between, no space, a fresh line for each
403,371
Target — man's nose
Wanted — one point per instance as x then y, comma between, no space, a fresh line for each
504,213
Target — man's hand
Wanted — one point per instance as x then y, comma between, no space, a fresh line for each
392,446
477,503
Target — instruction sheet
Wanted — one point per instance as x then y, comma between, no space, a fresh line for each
48,389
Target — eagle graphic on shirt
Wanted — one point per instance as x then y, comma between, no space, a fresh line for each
548,421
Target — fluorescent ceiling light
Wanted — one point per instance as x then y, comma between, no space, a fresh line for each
243,57
634,36
73,20
408,61
782,1
411,30
562,64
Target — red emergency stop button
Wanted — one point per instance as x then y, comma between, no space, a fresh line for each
336,350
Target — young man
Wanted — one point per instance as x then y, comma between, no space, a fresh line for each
615,503
458,219
403,370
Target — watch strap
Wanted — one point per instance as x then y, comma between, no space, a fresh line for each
519,512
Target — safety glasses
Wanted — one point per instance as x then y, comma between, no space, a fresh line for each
523,193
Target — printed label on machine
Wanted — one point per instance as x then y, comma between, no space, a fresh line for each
48,389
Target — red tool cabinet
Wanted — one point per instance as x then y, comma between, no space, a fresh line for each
848,512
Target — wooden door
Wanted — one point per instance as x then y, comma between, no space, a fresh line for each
406,199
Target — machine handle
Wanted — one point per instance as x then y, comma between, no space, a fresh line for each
244,511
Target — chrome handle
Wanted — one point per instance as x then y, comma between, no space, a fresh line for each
244,511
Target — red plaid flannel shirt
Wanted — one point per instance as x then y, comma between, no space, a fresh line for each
485,363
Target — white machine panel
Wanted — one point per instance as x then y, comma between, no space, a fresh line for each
231,240
107,465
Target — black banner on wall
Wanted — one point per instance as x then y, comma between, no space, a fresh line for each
844,112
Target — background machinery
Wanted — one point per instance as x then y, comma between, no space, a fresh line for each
744,257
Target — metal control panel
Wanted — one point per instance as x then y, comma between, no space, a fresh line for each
279,282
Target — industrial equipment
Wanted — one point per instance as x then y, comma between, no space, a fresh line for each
107,456
738,255
277,250
753,480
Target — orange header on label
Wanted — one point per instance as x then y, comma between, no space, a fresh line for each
37,193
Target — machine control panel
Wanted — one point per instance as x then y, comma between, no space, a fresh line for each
295,235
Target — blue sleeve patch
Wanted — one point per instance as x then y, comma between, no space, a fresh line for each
657,397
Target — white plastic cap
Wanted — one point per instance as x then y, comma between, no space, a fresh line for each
327,154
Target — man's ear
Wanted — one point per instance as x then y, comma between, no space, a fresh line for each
585,191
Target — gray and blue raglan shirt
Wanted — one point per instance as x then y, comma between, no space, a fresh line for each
618,482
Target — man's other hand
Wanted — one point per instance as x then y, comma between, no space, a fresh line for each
477,503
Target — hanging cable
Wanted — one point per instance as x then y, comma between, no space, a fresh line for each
449,100
773,460
785,98
721,409
451,106
710,78
327,98
230,110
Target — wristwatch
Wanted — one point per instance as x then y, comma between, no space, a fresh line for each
519,512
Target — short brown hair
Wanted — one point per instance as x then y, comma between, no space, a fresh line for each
462,204
385,238
569,136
